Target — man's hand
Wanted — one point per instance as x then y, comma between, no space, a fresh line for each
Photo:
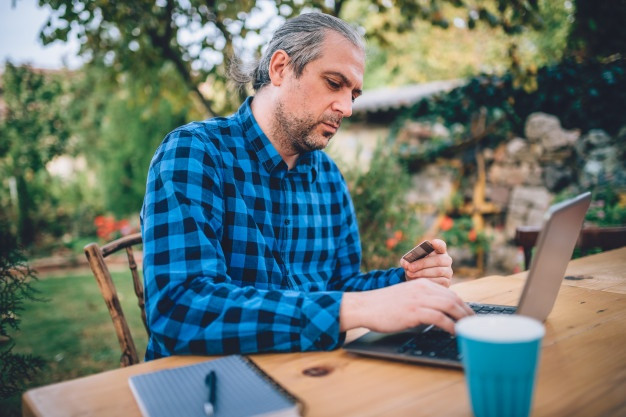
436,267
402,306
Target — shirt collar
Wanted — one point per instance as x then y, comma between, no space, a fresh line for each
268,156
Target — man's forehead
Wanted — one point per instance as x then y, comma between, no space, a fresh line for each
341,56
334,41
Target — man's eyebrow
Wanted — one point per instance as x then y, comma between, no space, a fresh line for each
344,80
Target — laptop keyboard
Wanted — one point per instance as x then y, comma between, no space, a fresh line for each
491,309
437,343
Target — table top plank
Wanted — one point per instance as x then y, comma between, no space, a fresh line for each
600,270
603,271
106,393
582,369
585,375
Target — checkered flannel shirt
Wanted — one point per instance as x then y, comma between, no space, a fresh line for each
242,255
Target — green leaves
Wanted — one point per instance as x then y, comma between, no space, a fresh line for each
32,132
387,224
15,288
583,95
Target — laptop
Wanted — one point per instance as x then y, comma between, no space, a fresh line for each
431,345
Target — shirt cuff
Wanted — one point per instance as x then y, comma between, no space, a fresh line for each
320,313
397,276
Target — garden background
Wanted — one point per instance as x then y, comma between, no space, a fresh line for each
537,114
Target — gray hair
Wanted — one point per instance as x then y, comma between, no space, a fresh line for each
302,38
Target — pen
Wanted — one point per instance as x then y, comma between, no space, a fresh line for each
210,381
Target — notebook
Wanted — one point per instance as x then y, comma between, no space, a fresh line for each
242,389
555,245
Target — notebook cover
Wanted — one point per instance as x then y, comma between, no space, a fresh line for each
243,389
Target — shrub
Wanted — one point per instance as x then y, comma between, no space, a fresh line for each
15,287
387,224
585,96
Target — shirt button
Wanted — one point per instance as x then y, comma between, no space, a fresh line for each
287,222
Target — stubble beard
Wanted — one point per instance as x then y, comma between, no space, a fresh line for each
298,134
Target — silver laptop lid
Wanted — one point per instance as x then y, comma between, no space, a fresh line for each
555,245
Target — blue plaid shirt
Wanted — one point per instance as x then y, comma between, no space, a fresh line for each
242,254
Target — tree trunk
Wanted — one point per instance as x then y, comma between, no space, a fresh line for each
25,223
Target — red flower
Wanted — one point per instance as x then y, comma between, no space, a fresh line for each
446,223
391,243
471,235
106,227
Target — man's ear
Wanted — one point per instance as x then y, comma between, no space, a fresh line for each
278,67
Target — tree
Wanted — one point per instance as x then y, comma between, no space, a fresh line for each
32,132
199,37
429,52
121,122
193,36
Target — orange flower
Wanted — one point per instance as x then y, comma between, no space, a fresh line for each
471,235
105,226
446,223
391,243
99,220
398,235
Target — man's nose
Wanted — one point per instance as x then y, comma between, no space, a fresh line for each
343,105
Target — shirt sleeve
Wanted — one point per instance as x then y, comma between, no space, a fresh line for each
191,304
347,276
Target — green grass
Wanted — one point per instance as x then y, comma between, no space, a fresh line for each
72,330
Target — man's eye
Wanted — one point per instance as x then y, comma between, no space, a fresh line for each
333,85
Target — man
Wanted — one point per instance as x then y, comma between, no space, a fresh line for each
250,237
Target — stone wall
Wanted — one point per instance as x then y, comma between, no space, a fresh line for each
523,176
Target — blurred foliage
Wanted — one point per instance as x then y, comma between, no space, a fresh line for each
121,121
608,205
198,38
16,279
401,16
194,37
598,29
463,48
378,192
460,232
584,95
33,130
153,65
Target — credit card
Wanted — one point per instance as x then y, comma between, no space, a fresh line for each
418,252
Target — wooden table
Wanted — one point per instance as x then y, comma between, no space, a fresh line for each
582,370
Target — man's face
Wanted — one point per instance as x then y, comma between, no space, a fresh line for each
311,107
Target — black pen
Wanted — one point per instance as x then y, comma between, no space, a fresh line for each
210,381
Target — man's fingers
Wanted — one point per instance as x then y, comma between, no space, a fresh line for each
443,300
467,310
444,282
406,305
437,318
436,272
427,262
439,245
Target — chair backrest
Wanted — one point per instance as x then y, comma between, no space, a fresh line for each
604,238
95,256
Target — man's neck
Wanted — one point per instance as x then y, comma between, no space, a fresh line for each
262,108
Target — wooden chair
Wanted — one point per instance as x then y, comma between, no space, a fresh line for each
604,238
95,256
